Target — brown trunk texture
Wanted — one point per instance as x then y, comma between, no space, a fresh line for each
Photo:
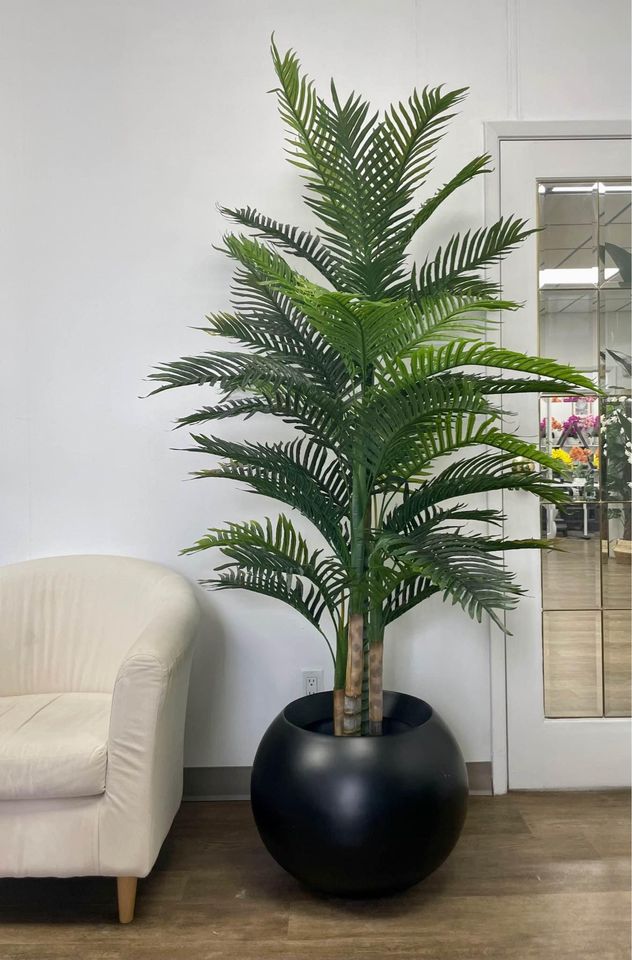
339,710
353,687
376,689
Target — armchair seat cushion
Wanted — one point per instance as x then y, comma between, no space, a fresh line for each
53,745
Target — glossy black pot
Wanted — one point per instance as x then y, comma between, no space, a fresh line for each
359,816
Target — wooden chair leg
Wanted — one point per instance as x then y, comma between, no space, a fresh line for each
126,892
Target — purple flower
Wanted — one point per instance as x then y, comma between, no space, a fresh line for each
571,425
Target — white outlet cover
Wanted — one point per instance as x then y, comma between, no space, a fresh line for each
313,681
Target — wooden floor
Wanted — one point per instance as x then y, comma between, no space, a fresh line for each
534,877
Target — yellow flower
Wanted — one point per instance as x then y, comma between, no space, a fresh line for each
596,460
562,455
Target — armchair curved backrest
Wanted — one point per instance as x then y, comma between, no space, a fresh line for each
67,623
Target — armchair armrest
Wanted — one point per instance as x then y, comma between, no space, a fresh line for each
143,785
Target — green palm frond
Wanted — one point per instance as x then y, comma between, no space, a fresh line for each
361,173
503,544
377,373
429,361
299,473
450,434
278,549
245,407
444,315
283,347
359,331
473,168
260,260
410,591
233,371
396,162
317,414
431,517
311,147
464,568
267,313
467,477
456,267
307,600
293,240
396,423
495,386
269,321
307,457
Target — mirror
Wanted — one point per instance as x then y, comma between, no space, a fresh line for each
585,320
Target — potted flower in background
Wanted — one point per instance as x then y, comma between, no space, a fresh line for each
616,475
382,373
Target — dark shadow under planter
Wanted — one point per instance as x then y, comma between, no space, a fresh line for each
359,816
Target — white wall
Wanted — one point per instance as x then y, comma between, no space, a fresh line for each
124,122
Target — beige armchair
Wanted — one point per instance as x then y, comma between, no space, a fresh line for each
95,655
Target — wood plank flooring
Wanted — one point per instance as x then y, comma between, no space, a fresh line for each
535,876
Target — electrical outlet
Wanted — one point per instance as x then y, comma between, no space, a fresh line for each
312,682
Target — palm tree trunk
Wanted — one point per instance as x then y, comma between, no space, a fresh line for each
353,686
339,710
365,687
352,723
376,688
340,675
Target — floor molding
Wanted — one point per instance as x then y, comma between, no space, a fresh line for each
233,783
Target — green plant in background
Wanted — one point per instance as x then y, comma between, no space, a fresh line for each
382,370
616,464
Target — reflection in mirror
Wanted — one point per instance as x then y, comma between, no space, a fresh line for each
572,654
616,362
615,555
567,327
570,575
617,663
570,432
568,246
616,448
585,320
614,234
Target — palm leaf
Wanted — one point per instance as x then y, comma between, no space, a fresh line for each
473,168
410,591
271,322
455,267
429,360
245,407
467,477
279,549
444,315
307,600
431,517
449,434
317,414
359,331
232,371
299,473
398,422
293,240
361,173
463,568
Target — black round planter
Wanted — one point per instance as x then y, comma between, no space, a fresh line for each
359,816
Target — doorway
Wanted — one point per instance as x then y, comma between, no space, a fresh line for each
561,683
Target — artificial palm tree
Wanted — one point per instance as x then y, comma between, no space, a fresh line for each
383,373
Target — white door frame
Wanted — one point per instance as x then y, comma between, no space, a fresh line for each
495,133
